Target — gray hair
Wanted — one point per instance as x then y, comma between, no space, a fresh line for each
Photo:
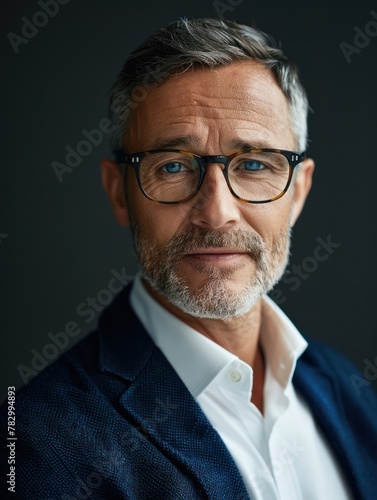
206,43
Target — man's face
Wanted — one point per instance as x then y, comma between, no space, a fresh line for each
213,256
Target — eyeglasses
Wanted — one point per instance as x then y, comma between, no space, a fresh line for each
175,176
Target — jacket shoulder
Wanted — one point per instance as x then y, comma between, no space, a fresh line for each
351,385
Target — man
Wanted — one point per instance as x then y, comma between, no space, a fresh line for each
196,385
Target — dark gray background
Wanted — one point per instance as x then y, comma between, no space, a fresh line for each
63,241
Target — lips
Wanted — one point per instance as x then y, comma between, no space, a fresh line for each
216,255
216,251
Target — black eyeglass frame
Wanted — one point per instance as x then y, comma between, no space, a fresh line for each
134,160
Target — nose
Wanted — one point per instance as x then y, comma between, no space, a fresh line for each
214,206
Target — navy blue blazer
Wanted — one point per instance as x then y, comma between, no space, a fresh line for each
111,419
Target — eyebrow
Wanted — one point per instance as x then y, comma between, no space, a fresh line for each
240,145
185,141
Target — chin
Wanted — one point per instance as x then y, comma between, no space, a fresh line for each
217,297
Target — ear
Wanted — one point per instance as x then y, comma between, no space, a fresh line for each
112,181
303,183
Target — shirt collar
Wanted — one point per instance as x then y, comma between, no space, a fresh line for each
197,359
281,342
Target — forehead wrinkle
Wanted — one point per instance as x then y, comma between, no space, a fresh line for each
224,104
251,110
191,118
248,112
252,91
247,135
261,88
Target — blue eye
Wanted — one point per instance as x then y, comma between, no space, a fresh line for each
172,167
253,165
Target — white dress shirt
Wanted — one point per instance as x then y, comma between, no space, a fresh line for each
281,454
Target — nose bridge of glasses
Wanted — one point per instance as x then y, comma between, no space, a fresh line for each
223,160
214,159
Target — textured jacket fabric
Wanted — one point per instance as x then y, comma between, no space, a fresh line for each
111,419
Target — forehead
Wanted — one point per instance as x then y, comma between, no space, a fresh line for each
238,101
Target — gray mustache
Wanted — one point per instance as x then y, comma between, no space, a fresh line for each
195,238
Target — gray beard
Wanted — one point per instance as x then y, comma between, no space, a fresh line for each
213,299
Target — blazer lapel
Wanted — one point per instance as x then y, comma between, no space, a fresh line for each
161,406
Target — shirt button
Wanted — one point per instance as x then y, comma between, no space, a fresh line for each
235,375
